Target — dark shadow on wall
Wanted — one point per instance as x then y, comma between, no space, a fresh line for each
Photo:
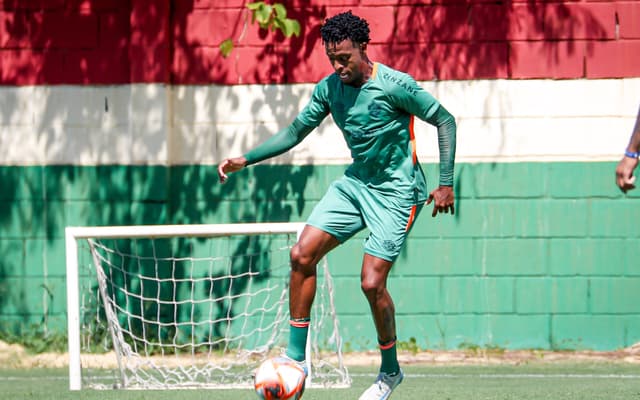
458,40
9,266
111,194
261,193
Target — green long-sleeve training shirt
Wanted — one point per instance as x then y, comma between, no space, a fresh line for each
376,121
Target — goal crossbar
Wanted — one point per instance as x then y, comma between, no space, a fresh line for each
194,230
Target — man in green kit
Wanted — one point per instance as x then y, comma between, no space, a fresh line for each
383,190
624,170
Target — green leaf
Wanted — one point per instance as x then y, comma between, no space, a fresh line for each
281,11
256,5
276,24
263,15
296,27
273,17
226,47
290,27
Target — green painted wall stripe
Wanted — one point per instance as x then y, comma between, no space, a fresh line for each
539,255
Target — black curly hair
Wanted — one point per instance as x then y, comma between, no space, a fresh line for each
345,26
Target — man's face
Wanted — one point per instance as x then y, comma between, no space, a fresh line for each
348,60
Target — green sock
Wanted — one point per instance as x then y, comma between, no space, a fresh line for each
298,330
389,357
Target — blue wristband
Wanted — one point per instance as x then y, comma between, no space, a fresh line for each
631,154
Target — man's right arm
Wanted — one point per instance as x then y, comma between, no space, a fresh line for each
279,143
274,146
310,117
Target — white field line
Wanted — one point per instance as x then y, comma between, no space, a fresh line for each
409,375
513,376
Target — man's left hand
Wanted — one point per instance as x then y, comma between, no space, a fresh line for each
443,199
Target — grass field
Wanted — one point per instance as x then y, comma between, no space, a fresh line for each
552,381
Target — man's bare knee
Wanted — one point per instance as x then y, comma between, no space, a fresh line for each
372,288
300,260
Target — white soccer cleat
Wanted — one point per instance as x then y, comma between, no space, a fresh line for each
383,386
301,364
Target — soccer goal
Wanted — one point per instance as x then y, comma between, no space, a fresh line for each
189,306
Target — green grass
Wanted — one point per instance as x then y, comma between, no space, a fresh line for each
558,381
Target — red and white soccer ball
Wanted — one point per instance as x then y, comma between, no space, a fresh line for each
278,379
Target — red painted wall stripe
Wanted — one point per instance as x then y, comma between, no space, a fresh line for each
176,41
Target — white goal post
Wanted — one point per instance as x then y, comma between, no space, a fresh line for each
189,306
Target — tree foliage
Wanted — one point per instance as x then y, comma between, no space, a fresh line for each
271,17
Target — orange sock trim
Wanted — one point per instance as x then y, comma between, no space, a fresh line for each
388,345
412,217
299,323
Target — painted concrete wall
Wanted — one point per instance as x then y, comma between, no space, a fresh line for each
168,41
539,255
115,112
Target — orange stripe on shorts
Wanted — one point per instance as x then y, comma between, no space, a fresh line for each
412,216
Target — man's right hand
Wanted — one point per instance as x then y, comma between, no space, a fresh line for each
230,165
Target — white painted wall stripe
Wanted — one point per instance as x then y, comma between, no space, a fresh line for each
498,121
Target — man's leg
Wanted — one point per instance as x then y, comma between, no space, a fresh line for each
374,285
312,245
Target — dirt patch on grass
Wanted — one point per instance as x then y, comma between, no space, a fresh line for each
497,357
15,356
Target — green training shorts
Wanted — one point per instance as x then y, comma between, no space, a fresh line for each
349,206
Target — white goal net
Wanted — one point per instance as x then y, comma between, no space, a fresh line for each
188,306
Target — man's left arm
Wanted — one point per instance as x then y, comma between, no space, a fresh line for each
446,124
409,96
443,196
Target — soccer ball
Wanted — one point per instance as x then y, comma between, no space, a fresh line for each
279,378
